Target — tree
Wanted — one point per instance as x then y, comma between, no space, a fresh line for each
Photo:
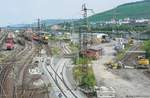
147,48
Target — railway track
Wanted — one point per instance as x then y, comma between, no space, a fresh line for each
129,58
24,70
25,91
46,47
59,87
65,49
58,77
23,74
35,92
65,82
2,39
10,62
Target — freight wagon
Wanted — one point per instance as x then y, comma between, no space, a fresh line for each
9,44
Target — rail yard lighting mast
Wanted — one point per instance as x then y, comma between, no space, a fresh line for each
83,37
86,24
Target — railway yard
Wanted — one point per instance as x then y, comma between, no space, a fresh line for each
75,49
32,66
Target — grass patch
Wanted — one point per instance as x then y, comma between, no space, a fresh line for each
83,73
146,47
82,61
55,50
2,57
84,78
54,38
122,53
74,47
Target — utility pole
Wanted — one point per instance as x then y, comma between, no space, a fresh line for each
72,29
84,9
39,25
114,18
86,23
85,16
85,28
83,37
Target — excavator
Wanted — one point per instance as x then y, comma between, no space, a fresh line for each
113,65
130,40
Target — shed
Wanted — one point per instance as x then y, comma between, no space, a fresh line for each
92,53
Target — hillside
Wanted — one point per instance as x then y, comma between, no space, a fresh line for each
55,21
46,22
133,10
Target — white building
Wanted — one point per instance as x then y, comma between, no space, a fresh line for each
141,20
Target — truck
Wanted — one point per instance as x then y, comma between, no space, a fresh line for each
142,62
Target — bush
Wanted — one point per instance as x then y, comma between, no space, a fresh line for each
55,51
147,48
85,78
74,47
82,61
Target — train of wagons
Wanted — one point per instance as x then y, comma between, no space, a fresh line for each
9,41
41,37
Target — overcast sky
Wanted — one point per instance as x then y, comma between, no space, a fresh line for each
27,11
